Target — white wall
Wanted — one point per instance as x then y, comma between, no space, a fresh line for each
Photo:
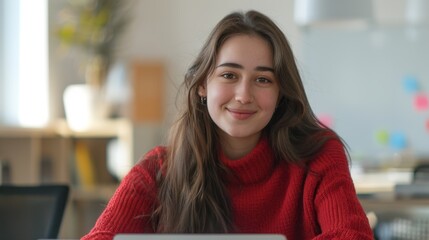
357,77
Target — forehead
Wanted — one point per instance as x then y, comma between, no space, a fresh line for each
249,49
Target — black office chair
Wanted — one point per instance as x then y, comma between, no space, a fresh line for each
32,212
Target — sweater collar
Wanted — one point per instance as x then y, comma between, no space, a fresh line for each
253,167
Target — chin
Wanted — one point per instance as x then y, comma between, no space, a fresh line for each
241,134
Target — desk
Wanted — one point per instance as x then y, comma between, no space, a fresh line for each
397,217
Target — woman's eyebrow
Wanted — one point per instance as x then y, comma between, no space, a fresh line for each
264,69
236,65
229,64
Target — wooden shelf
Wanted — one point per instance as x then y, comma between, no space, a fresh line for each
19,132
103,129
53,154
48,155
108,128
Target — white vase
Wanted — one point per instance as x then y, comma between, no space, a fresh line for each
82,105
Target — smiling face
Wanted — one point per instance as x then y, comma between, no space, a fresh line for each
242,91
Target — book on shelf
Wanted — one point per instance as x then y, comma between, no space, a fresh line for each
84,164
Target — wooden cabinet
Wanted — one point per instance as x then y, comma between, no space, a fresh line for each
50,155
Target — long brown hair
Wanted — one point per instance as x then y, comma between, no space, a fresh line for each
192,196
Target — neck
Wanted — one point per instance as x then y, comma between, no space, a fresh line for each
238,147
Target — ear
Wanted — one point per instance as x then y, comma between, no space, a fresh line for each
202,92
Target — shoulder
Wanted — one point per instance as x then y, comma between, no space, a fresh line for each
152,160
141,180
157,153
146,169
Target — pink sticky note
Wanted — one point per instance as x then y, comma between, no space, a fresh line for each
326,119
421,102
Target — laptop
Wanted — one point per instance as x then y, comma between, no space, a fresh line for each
179,236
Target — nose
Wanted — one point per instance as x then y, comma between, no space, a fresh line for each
243,93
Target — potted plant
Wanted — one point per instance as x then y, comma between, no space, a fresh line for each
94,26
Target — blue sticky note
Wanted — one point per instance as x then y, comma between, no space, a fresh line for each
398,141
411,84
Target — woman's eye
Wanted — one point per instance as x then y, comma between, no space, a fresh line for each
228,75
263,80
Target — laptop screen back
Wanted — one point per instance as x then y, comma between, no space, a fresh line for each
199,237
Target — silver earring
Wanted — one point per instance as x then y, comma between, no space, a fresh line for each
203,100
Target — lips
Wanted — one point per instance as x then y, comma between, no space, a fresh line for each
241,114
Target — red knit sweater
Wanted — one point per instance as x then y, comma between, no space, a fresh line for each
317,202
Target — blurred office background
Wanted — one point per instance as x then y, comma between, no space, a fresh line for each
363,63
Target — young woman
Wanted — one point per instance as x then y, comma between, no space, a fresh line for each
246,155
